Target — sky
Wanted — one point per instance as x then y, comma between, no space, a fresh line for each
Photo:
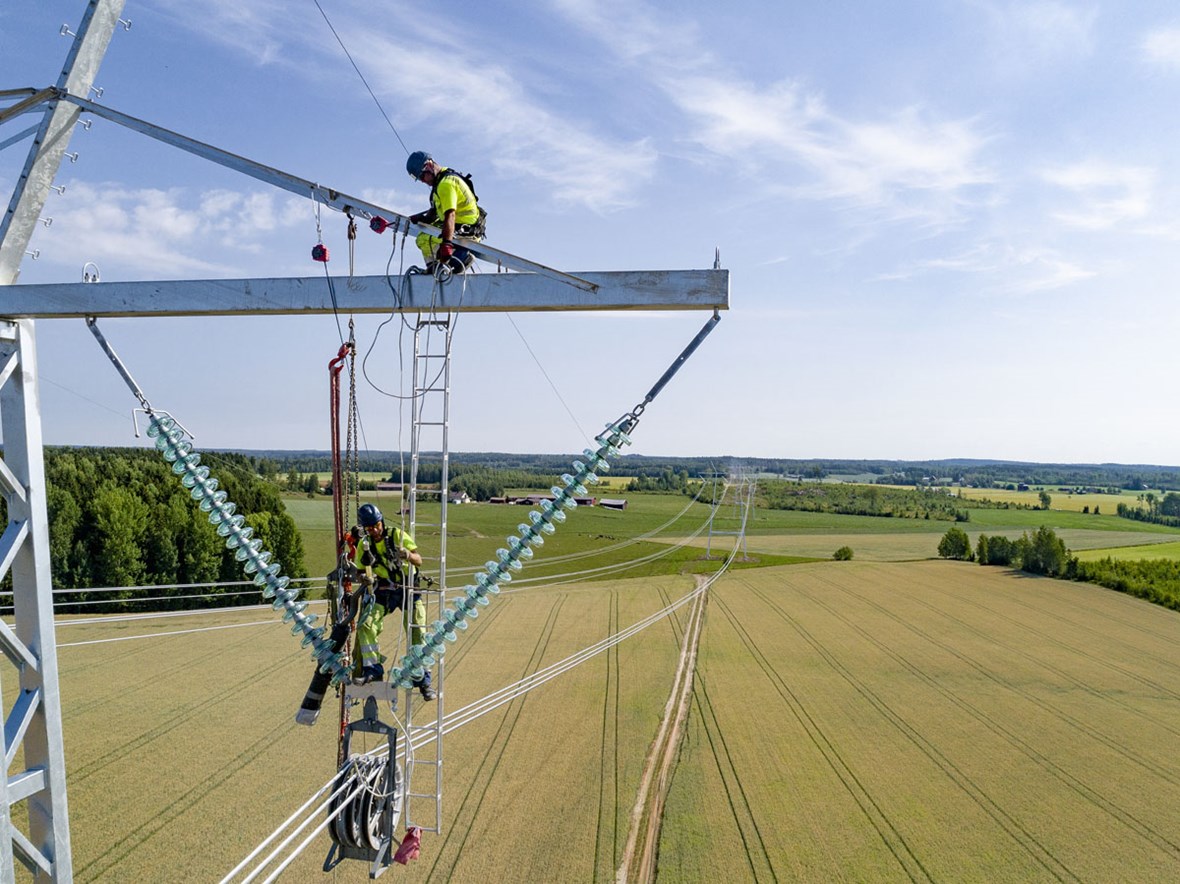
951,227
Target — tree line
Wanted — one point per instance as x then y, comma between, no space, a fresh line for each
1043,552
965,471
119,517
862,500
1163,510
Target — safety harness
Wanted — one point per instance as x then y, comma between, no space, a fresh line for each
475,230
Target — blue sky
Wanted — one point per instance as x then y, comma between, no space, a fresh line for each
952,227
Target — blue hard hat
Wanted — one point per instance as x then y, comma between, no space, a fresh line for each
417,162
369,515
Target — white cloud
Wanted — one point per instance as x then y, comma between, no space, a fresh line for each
1104,195
1002,267
521,134
164,233
905,164
254,29
1162,47
481,98
1028,34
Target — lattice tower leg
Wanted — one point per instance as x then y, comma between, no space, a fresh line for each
33,723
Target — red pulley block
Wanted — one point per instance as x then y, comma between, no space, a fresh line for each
319,252
377,224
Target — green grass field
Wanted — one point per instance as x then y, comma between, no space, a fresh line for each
1153,551
592,537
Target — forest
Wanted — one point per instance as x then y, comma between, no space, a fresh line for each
862,500
118,517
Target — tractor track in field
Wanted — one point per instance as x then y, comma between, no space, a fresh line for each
1027,601
485,772
1073,721
1008,823
1051,639
110,858
825,745
638,862
1087,793
744,819
159,673
1020,651
170,723
605,839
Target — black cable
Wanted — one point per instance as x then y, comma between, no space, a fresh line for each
335,306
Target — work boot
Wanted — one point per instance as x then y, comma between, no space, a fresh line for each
376,672
427,692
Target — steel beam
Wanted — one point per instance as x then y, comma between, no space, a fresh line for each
330,197
480,292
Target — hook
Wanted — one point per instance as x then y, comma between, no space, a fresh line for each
66,32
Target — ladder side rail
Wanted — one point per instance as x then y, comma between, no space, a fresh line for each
440,597
410,495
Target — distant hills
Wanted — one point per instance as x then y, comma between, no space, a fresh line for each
965,471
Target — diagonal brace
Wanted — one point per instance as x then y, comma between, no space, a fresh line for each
18,722
331,198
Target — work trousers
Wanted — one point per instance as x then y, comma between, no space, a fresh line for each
373,620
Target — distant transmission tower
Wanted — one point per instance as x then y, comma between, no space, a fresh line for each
738,486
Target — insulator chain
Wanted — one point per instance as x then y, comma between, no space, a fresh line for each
531,534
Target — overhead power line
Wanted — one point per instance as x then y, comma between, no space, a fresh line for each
362,76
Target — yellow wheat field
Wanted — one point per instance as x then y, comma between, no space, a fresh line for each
851,721
929,721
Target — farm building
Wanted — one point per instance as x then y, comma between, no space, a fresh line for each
611,504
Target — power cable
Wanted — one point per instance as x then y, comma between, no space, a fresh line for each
552,386
470,713
362,76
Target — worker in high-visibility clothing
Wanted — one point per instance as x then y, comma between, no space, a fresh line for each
454,207
393,555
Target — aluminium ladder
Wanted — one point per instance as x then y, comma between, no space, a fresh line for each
429,433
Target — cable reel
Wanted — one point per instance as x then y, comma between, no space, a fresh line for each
368,803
